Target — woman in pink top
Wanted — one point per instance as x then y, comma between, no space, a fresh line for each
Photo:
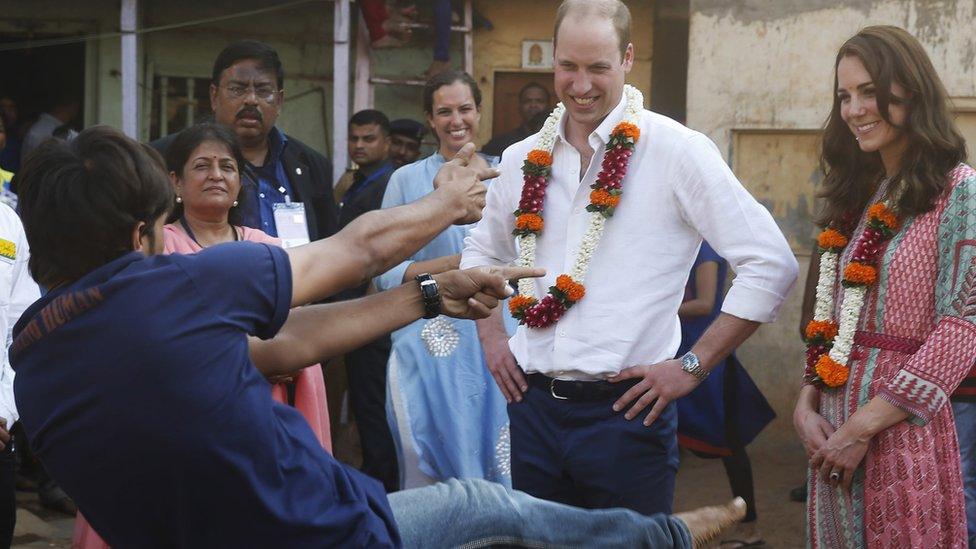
205,165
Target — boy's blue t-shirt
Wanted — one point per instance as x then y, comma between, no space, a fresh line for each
138,394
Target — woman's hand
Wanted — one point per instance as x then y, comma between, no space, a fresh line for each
813,429
841,455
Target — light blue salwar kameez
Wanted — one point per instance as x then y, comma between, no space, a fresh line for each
447,416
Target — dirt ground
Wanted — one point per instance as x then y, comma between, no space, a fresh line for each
778,465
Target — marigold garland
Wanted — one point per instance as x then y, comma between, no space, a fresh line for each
539,158
601,197
604,199
519,303
529,223
860,273
572,290
831,239
829,341
824,330
832,373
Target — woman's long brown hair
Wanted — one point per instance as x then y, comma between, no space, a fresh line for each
890,55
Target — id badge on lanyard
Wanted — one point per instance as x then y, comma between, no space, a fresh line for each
290,221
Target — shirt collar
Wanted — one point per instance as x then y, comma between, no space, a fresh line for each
602,132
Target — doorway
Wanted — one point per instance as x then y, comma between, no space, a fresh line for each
669,77
36,79
505,112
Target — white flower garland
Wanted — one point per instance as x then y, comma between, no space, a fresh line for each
825,286
850,314
855,293
597,221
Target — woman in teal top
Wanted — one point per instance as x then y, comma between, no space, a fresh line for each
446,414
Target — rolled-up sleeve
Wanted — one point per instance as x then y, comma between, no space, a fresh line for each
947,355
739,228
490,242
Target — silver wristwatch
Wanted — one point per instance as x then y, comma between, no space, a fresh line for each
690,364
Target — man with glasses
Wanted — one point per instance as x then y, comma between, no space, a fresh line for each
284,179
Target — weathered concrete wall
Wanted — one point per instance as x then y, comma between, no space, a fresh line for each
766,66
500,49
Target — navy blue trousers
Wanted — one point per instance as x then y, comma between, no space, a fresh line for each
585,454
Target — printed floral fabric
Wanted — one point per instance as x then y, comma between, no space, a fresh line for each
909,491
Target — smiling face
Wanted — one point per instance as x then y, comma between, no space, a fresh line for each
210,181
247,100
589,73
454,117
859,109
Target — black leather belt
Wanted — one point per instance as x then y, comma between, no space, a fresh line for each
568,389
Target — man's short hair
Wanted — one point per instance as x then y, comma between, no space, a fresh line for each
614,10
80,201
371,116
265,55
408,128
534,85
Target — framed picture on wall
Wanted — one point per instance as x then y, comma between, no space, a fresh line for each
536,54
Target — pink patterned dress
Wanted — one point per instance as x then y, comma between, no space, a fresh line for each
916,342
309,383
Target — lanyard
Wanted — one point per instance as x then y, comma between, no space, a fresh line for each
189,232
355,190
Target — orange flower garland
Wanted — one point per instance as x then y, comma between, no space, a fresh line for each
539,158
520,303
831,372
601,197
823,329
573,290
829,342
859,273
604,199
529,222
831,239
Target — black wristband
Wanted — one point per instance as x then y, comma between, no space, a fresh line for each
431,295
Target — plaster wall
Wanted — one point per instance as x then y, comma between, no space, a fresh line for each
766,69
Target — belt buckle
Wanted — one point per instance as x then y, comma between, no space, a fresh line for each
552,390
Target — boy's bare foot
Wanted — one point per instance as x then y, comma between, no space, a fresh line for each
706,523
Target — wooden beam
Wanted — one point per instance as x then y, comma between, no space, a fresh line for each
363,98
340,87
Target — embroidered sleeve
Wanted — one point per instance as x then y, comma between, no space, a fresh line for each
924,384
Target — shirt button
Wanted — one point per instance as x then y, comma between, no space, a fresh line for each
576,210
261,195
562,334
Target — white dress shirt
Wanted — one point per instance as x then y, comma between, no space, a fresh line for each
678,189
17,292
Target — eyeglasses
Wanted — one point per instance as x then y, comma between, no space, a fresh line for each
263,92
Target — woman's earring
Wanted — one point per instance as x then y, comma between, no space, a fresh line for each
234,205
179,199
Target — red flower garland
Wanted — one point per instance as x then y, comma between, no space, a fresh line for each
604,199
882,224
